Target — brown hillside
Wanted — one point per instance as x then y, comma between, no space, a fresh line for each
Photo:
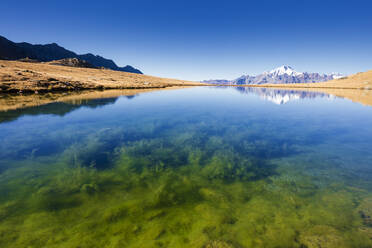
26,77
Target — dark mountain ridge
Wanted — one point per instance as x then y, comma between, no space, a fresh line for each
10,50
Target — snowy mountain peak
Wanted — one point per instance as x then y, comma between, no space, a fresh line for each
281,75
336,75
285,69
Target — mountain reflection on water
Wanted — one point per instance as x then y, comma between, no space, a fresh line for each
280,96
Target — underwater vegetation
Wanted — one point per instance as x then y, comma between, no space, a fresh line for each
223,180
187,190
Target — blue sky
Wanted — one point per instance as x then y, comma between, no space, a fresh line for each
199,40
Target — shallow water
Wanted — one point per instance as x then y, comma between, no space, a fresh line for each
196,167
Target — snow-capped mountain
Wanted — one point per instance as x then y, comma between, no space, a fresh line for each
285,69
282,75
336,75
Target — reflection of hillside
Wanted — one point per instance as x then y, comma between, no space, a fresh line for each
281,96
18,101
57,108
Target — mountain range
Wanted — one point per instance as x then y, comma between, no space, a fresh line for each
281,75
10,50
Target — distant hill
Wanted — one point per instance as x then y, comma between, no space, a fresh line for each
281,75
13,51
217,81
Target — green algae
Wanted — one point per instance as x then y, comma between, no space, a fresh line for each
166,193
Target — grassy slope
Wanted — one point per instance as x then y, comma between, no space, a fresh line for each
18,76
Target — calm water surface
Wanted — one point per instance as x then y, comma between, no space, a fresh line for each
196,167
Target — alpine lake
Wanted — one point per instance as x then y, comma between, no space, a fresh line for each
208,167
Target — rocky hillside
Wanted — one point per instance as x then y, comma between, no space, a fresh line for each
13,51
73,62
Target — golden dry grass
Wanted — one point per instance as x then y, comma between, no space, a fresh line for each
18,76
